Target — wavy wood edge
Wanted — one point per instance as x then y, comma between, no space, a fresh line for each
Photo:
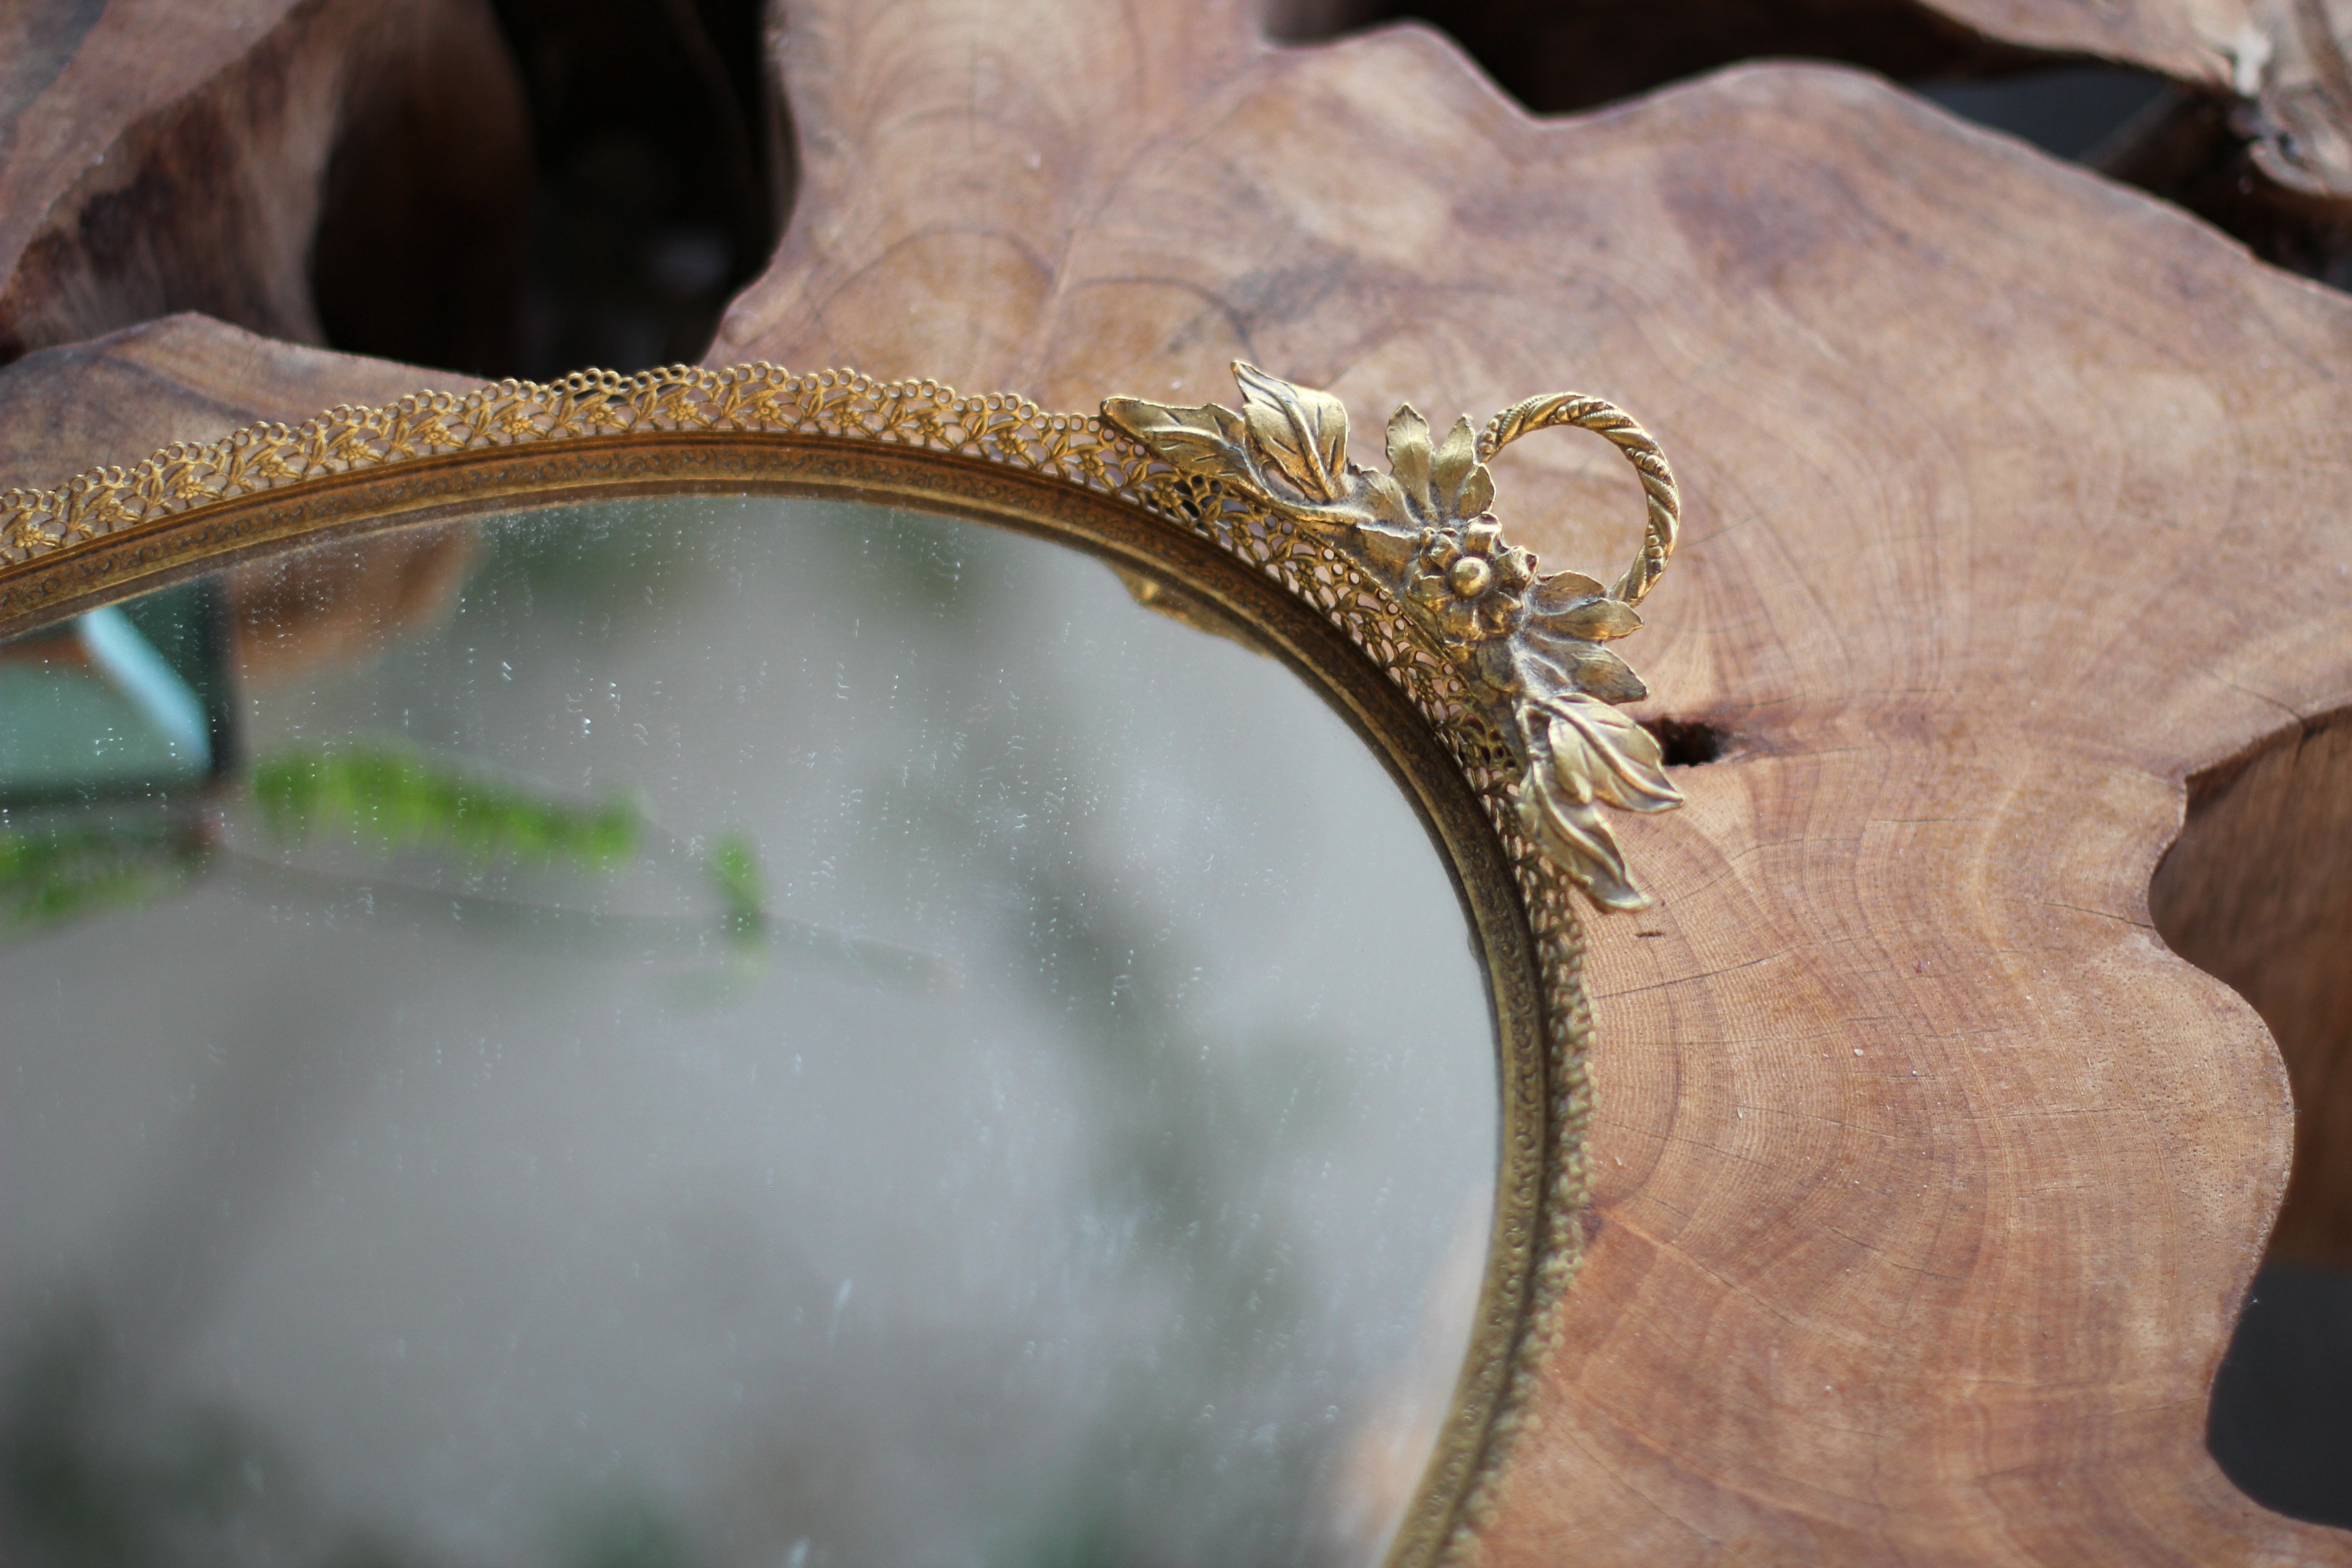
2015,502
1928,1180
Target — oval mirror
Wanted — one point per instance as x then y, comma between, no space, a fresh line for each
713,1030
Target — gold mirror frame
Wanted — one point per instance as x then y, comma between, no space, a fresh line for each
1480,682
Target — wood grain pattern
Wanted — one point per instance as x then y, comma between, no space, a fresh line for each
2256,140
1930,1179
159,156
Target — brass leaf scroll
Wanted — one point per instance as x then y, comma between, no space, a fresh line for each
1531,648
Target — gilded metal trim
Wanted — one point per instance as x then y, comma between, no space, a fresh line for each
1528,648
1481,682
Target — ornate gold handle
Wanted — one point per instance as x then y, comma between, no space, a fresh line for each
1531,647
1601,417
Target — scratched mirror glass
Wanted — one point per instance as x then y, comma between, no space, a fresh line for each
713,1032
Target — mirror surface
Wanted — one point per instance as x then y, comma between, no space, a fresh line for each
709,1032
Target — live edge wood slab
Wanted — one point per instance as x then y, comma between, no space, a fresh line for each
1930,1179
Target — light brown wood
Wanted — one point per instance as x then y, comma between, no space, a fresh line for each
2257,139
157,156
1930,1178
2260,141
2286,60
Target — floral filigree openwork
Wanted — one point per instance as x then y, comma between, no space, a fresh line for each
1530,650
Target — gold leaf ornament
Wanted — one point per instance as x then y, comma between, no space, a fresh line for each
1450,468
1304,433
1409,455
1589,754
1530,646
1208,440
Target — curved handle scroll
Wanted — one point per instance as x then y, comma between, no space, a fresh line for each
1605,419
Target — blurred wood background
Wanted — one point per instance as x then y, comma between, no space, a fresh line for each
1932,1179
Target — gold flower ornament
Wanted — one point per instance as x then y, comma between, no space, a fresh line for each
1531,647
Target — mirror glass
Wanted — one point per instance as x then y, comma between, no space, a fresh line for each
710,1032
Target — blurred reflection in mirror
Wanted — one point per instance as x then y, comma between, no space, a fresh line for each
715,1032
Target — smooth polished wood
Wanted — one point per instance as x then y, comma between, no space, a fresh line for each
1929,1180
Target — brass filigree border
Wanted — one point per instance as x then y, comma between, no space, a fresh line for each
1220,530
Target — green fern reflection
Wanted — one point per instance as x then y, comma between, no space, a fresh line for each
396,799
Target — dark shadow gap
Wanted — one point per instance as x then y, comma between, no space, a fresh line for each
1559,56
418,251
1688,743
2257,891
651,186
2281,1422
2082,113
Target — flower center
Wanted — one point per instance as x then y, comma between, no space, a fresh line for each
1470,576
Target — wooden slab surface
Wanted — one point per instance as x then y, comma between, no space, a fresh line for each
162,155
1930,1178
